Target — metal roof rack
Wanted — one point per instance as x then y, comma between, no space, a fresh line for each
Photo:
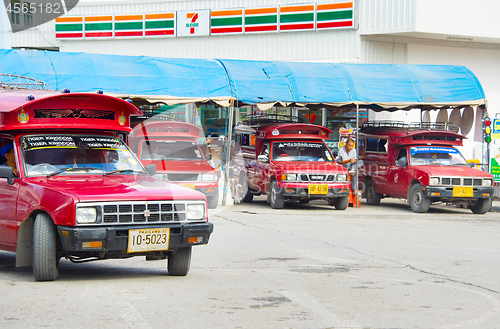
16,82
438,126
400,125
265,118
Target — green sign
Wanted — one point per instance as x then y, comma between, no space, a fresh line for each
495,165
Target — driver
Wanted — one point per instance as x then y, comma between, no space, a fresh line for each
7,152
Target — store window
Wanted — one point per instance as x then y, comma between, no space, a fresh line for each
15,10
28,10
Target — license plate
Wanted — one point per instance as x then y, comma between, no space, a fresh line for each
191,186
463,191
318,189
148,239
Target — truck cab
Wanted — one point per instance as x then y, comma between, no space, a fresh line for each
287,161
172,146
420,163
80,193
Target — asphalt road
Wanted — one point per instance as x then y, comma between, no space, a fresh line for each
305,266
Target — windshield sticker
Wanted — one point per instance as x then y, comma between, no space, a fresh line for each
300,144
433,149
36,142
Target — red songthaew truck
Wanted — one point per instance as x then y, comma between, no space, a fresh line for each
172,146
80,193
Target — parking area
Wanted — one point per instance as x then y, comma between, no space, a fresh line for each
303,266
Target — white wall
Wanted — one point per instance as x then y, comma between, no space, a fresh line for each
459,17
4,29
484,63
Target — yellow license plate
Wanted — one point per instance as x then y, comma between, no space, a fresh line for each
189,185
318,189
463,191
148,239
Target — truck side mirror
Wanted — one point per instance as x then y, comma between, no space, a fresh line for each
7,172
263,158
151,169
472,164
208,156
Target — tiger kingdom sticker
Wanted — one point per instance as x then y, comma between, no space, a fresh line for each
22,117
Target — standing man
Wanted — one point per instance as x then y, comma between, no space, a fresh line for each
349,159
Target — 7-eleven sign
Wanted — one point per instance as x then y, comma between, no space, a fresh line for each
193,23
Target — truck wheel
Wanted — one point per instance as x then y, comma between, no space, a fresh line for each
213,201
372,197
482,206
45,259
277,198
341,203
179,263
245,190
419,202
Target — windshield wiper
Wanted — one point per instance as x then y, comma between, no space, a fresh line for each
120,171
86,169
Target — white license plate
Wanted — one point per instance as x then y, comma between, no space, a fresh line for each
148,239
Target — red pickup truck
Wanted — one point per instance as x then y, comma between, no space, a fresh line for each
287,161
172,146
72,188
419,163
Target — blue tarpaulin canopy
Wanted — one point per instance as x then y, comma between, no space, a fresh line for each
263,83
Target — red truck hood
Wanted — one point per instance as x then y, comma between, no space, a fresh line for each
310,167
462,171
96,188
180,166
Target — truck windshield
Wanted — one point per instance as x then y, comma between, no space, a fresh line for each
434,155
301,151
170,150
45,155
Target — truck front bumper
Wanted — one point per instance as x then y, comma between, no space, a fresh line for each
300,190
84,239
447,192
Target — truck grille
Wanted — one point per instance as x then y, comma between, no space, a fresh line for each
317,178
140,212
459,181
182,177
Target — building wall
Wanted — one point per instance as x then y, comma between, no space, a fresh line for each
4,30
483,63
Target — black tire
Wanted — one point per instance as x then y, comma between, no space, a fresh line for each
372,197
277,199
247,195
213,201
45,259
179,262
482,206
419,202
341,203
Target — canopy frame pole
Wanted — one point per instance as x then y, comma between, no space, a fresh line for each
357,151
226,193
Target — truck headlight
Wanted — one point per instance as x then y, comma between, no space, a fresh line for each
86,215
289,177
195,211
434,181
487,182
342,177
208,177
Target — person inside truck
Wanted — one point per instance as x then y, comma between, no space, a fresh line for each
8,156
348,157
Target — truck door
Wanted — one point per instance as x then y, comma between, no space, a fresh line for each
397,178
262,168
8,209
